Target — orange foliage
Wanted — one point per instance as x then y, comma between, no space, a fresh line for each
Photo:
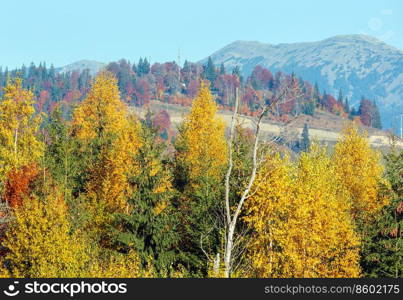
19,184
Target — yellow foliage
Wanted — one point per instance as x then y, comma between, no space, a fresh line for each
19,125
103,120
359,169
40,242
300,220
267,212
203,138
120,266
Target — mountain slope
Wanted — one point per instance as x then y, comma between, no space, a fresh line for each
361,65
93,66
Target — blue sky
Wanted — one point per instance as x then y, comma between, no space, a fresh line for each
61,32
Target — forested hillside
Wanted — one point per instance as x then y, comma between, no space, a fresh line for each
90,188
139,83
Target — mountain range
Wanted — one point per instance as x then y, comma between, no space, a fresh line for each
91,65
359,65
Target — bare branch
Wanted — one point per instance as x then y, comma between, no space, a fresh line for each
230,159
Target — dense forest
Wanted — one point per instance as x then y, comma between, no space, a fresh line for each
169,83
90,189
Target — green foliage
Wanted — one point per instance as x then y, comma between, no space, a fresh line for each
305,142
382,253
210,72
376,117
382,250
150,228
308,108
107,195
61,155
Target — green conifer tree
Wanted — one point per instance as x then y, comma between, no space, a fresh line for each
305,142
150,228
210,72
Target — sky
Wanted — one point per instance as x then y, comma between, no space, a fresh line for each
61,32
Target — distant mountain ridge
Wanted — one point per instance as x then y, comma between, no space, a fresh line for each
358,64
93,66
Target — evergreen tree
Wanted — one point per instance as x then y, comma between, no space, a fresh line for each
140,67
382,253
61,155
200,163
237,71
150,228
305,142
316,93
323,99
222,69
308,108
108,135
210,72
340,97
353,113
134,68
376,117
346,106
146,67
143,67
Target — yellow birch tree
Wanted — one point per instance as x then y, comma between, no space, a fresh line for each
358,168
40,243
19,125
301,222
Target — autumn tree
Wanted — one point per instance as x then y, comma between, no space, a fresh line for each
119,265
19,126
108,135
261,78
19,184
234,207
149,229
301,222
360,171
382,250
201,142
305,141
200,162
365,112
264,214
40,243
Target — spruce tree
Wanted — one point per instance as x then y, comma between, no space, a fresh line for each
61,155
222,69
305,142
210,72
316,93
376,116
146,66
150,228
308,108
237,71
340,98
346,106
201,159
382,251
140,67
